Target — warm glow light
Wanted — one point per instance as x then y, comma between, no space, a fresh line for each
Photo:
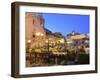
39,34
50,39
38,50
46,41
69,42
30,50
61,40
28,41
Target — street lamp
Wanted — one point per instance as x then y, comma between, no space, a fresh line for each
28,44
48,42
39,37
39,43
29,50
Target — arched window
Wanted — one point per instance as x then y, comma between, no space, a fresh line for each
33,21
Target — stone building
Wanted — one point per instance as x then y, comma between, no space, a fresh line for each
35,33
77,40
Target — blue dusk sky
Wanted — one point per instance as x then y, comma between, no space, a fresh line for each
66,23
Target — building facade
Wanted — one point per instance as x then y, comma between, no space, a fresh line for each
78,41
35,33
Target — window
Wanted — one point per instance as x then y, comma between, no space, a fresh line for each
33,21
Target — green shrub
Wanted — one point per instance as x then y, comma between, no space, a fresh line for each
83,58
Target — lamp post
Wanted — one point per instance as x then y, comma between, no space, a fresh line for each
29,50
39,37
48,43
39,40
